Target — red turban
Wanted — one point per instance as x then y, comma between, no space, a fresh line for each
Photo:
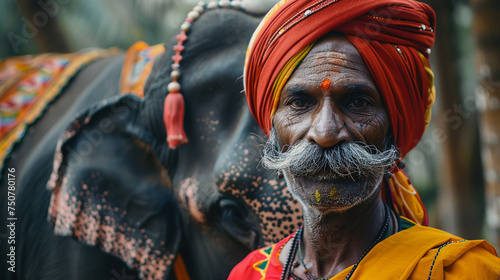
394,38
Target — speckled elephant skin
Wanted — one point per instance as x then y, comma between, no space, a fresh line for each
100,195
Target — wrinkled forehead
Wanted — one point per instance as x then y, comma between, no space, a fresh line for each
335,50
337,43
335,60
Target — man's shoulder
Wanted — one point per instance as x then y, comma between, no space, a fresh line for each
447,256
421,252
433,239
425,235
257,262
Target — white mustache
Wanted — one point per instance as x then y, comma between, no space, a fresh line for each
342,161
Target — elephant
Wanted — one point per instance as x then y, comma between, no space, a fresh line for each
121,203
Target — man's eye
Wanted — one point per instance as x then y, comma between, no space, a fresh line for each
299,103
359,103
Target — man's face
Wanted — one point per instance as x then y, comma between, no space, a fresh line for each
331,99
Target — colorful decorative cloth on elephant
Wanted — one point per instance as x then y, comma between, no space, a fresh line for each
394,38
428,253
138,64
28,84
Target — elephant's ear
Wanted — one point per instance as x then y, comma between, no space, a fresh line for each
109,190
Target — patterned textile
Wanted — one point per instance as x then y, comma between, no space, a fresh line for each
137,67
28,84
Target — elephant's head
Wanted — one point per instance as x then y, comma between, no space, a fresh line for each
117,185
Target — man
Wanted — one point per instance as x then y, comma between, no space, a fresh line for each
344,88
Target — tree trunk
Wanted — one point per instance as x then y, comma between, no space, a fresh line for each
41,24
460,202
487,34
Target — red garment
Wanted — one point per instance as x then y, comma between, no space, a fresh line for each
389,34
261,264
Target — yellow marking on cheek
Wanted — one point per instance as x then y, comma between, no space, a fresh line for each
334,194
317,195
325,85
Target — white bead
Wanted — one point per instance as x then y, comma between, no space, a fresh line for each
236,4
175,74
174,87
193,15
224,3
212,5
399,51
185,26
199,9
307,13
428,51
200,4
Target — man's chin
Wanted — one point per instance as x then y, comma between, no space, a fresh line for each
332,194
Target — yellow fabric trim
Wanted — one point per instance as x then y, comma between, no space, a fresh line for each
404,218
130,84
405,198
128,64
285,74
432,89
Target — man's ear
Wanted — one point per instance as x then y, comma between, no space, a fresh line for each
109,190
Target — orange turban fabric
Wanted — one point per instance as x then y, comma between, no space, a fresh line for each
394,38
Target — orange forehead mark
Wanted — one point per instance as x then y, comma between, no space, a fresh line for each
325,85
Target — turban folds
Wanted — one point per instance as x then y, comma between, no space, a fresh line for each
394,38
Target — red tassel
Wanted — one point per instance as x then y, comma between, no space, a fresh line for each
173,108
173,118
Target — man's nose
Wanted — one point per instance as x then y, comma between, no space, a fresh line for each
328,127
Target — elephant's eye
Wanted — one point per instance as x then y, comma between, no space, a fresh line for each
231,210
235,220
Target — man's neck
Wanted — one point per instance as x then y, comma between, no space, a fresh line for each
335,240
